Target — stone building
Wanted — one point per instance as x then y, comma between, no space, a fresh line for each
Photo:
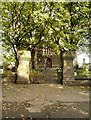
47,58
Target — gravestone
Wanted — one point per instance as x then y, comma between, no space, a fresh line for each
23,71
68,73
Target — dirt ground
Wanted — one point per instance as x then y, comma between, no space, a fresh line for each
44,101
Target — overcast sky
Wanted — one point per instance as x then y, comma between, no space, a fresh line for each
82,56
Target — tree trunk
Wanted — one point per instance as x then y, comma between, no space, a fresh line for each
32,58
61,67
16,67
16,60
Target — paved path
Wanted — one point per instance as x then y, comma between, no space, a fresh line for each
45,100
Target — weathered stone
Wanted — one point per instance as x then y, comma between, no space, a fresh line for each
24,67
68,73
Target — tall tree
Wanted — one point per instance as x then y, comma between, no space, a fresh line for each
67,26
59,25
23,27
17,26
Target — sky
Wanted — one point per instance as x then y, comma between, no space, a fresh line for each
82,56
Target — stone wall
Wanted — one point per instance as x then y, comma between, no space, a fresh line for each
41,59
55,60
68,63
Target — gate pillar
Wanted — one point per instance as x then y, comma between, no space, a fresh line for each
68,72
23,70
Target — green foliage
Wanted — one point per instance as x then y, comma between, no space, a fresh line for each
85,29
84,72
35,72
36,75
57,25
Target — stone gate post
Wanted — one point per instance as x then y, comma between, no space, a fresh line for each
68,73
23,71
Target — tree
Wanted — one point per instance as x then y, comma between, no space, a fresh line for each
59,25
17,23
23,28
85,42
67,26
